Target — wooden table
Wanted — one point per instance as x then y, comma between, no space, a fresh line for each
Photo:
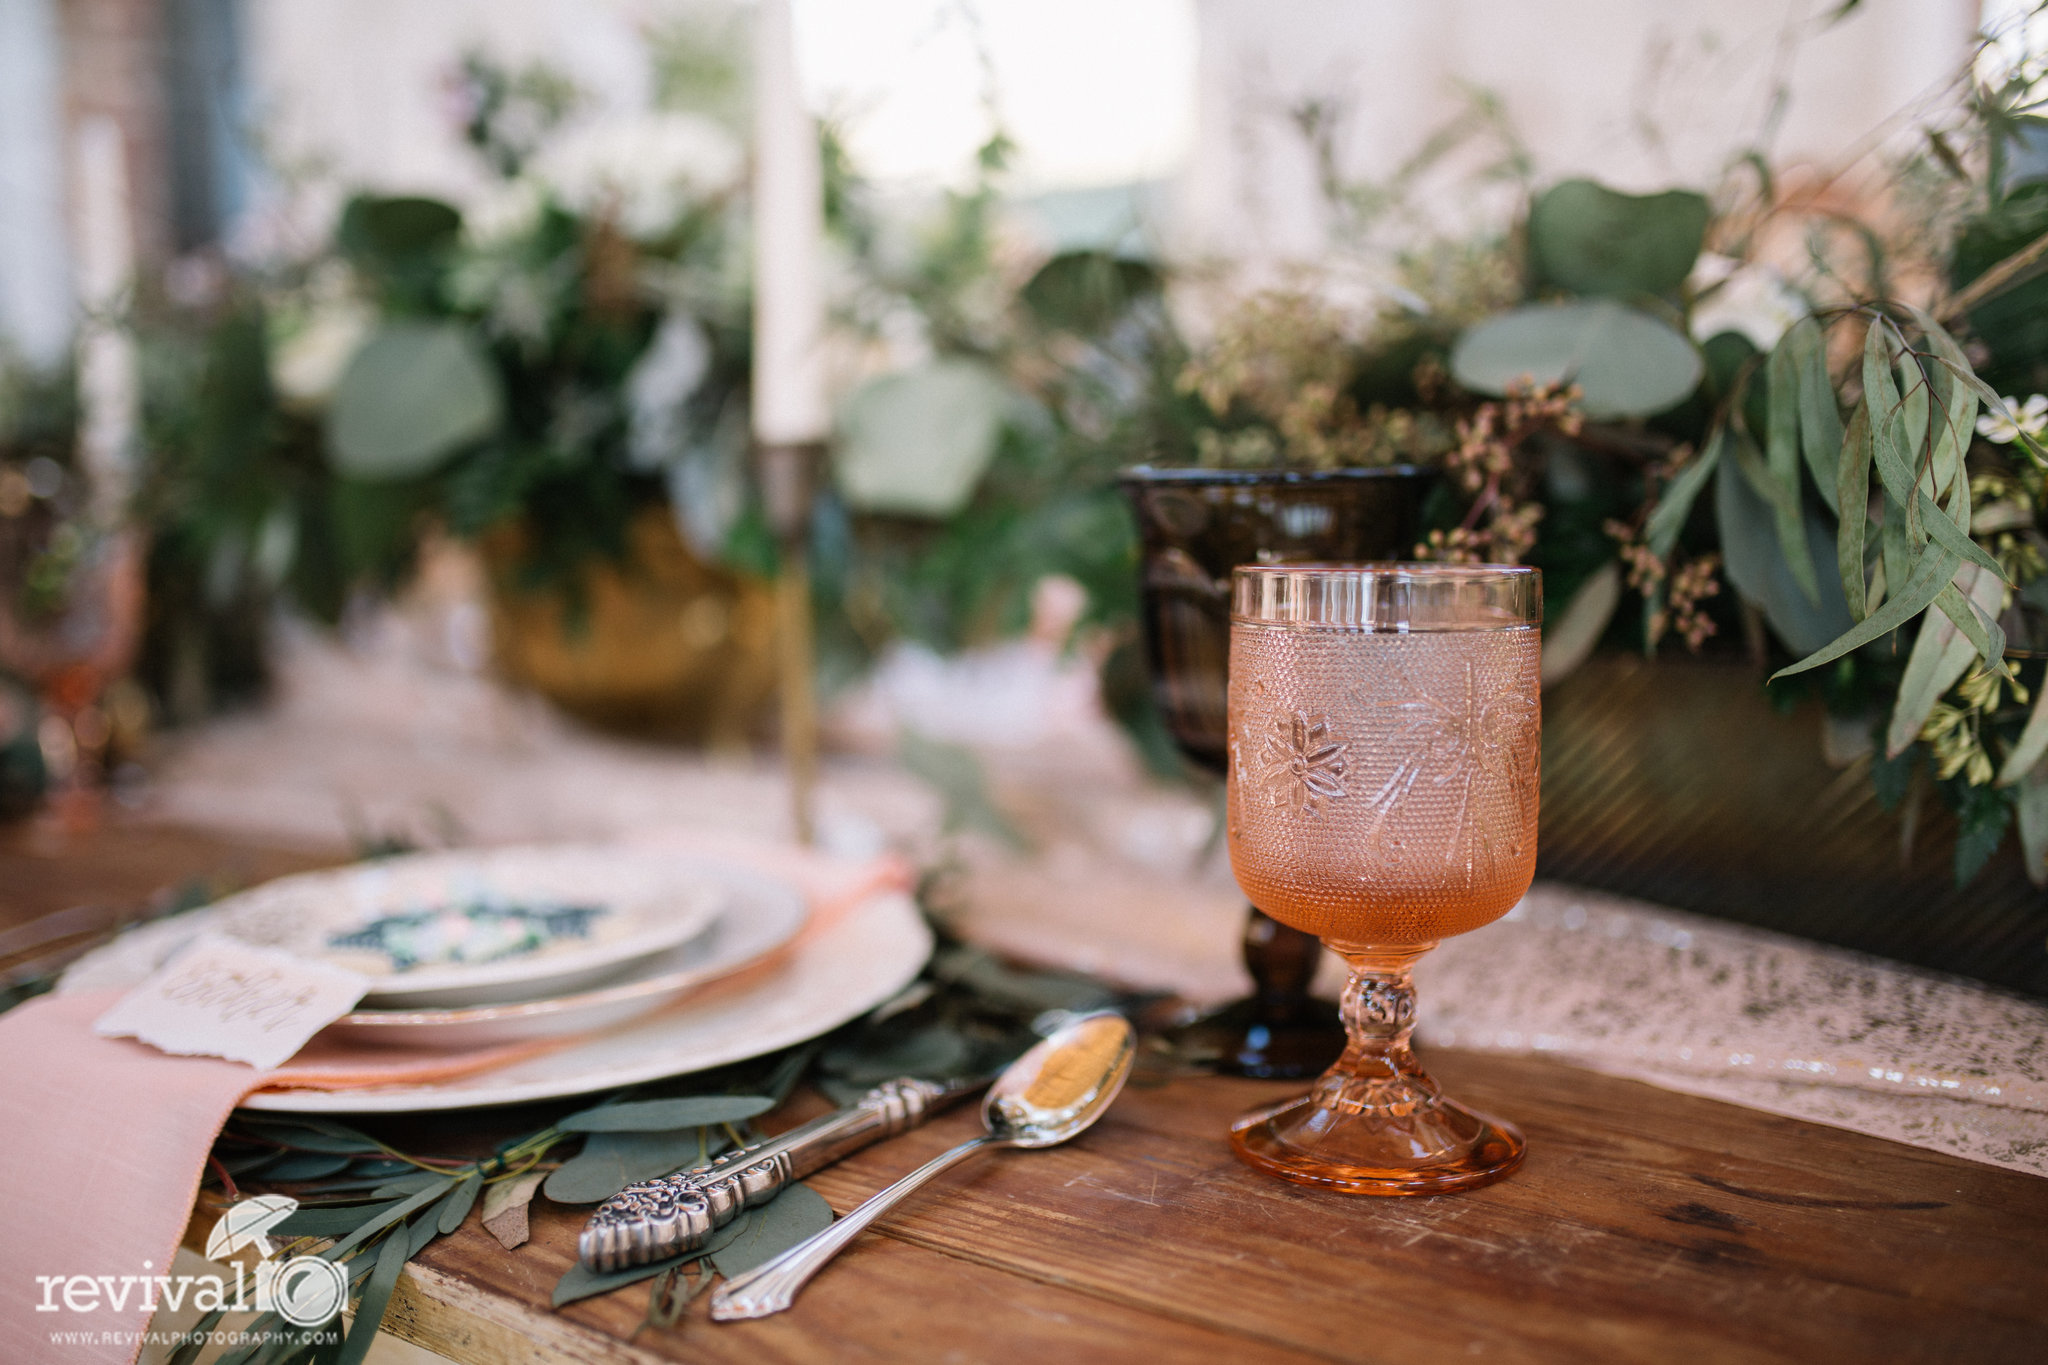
1646,1226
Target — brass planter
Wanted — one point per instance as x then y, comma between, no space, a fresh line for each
659,645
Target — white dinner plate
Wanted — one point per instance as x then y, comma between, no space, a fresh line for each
439,930
760,917
832,974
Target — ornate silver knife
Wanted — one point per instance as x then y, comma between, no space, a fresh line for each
660,1218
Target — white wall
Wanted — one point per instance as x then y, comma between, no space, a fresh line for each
354,93
35,281
1642,94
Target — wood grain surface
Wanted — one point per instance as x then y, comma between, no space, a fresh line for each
1646,1226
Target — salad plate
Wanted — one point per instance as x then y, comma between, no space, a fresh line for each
445,930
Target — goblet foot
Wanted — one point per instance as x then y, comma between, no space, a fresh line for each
1376,1122
1434,1146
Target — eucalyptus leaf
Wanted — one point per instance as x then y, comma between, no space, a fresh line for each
1955,413
1889,443
1787,511
391,1214
1087,292
1781,433
307,1137
1820,420
388,229
1940,656
661,1116
1593,240
2032,807
611,1161
796,1213
1757,566
459,1202
2032,744
936,1052
391,1258
1930,575
917,443
1980,829
408,1184
425,1228
414,394
1941,527
1625,362
331,1221
1980,628
1898,552
579,1282
308,1166
248,1162
1916,403
1569,641
1675,506
1852,506
505,1208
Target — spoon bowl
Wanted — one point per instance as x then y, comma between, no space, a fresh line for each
1062,1084
1050,1094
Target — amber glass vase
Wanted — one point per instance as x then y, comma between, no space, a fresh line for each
1195,527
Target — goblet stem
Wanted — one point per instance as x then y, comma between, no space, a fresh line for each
1378,1009
1376,1122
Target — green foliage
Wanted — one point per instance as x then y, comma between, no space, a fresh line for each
1088,292
610,1161
661,1116
1587,239
413,396
1625,362
1982,815
916,442
967,1017
1759,562
2012,322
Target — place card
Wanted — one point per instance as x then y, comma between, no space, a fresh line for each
220,997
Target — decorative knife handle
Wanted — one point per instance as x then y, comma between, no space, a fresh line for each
656,1219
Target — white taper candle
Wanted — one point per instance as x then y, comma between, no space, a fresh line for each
789,216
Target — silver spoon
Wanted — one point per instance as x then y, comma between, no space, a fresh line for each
1045,1097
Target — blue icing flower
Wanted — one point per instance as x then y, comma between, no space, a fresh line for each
473,931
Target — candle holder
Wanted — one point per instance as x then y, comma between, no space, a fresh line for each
1195,527
789,475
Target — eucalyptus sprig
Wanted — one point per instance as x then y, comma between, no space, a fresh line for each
1905,545
372,1206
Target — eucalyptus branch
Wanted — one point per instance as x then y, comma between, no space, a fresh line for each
1997,278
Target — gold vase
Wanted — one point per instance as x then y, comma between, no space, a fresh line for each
659,645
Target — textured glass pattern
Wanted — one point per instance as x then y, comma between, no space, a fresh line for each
1384,785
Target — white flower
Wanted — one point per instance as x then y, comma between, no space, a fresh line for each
1753,300
507,210
2029,418
306,364
645,170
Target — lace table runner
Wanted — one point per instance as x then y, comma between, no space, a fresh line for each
1753,1018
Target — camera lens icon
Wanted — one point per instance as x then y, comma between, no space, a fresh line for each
307,1291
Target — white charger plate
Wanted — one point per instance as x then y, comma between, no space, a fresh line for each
760,917
645,902
834,974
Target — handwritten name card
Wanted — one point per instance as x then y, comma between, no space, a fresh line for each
224,998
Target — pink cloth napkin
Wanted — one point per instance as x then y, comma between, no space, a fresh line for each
108,1137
